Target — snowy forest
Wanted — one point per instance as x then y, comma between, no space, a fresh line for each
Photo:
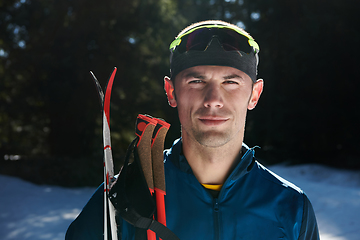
50,118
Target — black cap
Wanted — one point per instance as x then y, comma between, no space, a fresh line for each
214,55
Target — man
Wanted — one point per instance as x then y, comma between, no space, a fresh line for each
215,187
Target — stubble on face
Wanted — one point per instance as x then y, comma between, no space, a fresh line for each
216,136
213,134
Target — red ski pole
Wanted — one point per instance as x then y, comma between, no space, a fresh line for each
157,155
145,126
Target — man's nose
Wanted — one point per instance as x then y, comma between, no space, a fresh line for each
213,96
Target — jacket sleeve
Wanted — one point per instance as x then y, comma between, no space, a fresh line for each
309,229
89,224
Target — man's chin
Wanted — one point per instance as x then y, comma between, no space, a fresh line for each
212,139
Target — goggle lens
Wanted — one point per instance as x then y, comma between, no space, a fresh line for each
199,39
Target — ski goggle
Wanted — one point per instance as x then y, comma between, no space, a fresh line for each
198,39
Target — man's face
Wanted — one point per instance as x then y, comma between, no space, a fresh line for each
212,103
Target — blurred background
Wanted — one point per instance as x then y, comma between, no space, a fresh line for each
50,117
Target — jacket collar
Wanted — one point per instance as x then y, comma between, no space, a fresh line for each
244,166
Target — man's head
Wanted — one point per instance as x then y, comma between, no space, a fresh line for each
211,93
214,43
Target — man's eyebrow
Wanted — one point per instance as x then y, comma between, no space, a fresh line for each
194,75
232,76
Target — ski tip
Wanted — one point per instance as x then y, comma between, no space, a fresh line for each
93,75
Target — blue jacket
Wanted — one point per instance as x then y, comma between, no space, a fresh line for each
254,203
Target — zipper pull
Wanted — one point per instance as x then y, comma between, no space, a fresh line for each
216,205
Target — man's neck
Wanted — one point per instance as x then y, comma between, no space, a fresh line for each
212,165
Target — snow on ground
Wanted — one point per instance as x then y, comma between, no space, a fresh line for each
33,212
334,194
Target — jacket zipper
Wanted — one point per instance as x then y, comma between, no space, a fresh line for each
216,204
216,220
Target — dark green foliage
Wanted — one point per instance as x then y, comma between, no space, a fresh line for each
310,102
49,109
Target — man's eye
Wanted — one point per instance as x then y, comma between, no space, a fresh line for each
231,82
196,81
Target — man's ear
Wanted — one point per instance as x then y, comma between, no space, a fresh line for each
169,89
256,92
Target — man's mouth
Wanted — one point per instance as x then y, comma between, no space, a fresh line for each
213,120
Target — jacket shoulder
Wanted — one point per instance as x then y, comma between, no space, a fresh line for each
272,177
